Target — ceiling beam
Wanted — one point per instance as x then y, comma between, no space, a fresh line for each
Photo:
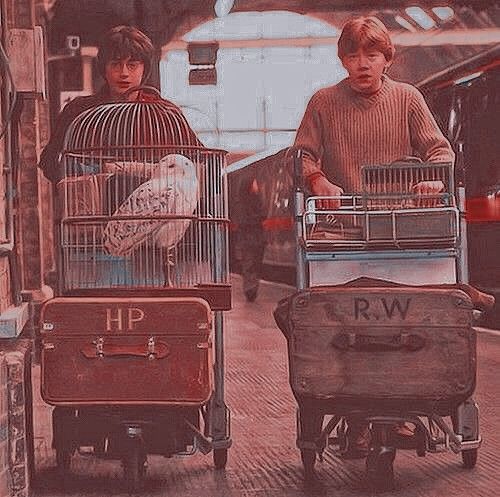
463,37
304,6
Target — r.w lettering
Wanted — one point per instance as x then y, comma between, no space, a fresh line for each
391,308
360,307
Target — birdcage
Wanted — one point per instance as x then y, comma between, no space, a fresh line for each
143,202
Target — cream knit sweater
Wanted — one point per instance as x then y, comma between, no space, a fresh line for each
344,130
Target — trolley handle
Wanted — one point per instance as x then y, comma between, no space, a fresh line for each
360,342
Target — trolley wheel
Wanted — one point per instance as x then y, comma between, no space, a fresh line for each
134,468
63,459
469,458
380,469
308,457
220,458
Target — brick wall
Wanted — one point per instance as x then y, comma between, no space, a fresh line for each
29,221
3,224
5,301
5,293
17,401
32,225
5,480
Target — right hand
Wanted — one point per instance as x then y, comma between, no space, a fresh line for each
321,187
428,192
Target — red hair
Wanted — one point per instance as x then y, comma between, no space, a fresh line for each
365,32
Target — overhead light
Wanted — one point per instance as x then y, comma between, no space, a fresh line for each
444,13
468,78
405,24
421,17
223,7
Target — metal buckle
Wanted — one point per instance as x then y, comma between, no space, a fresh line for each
151,348
99,347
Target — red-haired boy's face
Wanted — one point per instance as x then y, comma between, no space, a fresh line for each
365,67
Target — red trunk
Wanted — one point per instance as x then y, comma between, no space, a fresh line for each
126,351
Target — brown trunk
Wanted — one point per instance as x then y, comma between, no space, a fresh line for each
393,345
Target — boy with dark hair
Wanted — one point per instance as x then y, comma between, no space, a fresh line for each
125,43
124,60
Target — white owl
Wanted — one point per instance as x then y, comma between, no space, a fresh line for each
172,190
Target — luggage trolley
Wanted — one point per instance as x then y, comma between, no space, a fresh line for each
380,328
132,344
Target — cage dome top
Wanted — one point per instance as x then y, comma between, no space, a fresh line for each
139,124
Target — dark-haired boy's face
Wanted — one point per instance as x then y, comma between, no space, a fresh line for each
123,74
365,67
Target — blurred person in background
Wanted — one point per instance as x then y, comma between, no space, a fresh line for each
251,242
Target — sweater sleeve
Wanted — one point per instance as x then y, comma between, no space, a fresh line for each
49,158
309,137
426,137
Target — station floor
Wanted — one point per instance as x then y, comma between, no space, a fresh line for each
263,461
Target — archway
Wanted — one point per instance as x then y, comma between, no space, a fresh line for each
268,66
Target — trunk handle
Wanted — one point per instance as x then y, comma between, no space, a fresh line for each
357,341
152,350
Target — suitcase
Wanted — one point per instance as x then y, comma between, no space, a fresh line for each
116,351
83,195
381,347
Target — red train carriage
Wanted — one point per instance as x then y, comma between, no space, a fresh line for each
466,101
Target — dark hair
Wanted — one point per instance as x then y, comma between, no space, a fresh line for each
122,42
365,32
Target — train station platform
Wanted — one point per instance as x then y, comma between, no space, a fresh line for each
263,461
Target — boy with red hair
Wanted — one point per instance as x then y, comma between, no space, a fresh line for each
366,119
